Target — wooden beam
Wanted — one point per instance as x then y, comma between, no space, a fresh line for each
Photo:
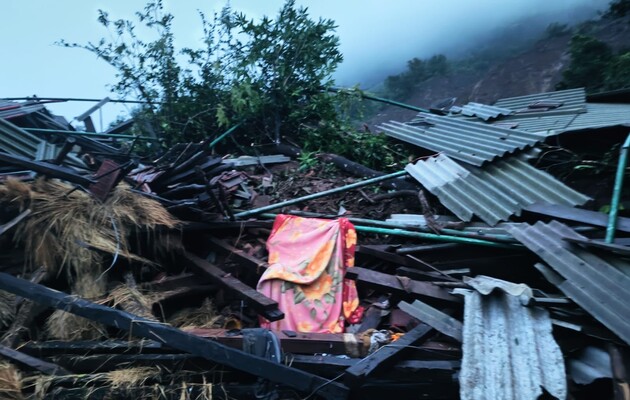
296,342
85,347
241,257
442,322
50,170
175,338
32,362
393,284
263,305
385,356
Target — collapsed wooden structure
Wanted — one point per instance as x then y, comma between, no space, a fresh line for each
480,275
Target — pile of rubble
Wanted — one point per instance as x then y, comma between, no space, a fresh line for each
473,273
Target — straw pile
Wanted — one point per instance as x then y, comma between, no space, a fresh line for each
10,382
65,228
70,231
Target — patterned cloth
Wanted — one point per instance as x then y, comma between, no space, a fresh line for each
308,258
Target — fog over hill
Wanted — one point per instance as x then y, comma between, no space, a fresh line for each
377,39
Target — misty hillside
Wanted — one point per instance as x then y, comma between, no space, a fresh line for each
497,70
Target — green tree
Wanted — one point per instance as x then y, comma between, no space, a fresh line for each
280,69
589,60
618,72
266,75
618,8
401,86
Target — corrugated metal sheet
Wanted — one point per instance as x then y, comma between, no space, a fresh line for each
598,285
599,115
573,101
484,111
541,123
508,350
12,109
589,364
493,193
14,140
471,142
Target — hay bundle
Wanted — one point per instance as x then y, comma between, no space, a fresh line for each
7,308
63,226
203,317
10,382
131,300
62,325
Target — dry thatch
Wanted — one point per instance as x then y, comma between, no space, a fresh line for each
65,326
131,300
10,382
7,308
65,226
203,317
129,377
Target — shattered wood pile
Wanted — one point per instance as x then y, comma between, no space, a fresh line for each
469,274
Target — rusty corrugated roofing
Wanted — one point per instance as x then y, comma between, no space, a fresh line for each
472,142
600,286
494,192
508,350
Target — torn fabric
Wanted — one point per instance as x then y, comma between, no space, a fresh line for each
308,258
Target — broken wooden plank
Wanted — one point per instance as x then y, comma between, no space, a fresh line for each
47,169
431,316
85,347
294,342
385,356
241,257
32,362
577,215
90,364
395,284
14,221
169,283
175,338
263,305
371,319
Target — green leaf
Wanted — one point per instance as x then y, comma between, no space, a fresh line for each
313,314
329,299
318,303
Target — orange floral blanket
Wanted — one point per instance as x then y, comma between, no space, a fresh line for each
308,258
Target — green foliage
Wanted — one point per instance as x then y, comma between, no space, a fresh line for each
402,85
618,8
618,72
589,59
595,66
265,74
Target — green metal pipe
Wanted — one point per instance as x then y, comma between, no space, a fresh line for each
325,193
414,228
63,99
379,99
616,195
433,236
222,136
92,134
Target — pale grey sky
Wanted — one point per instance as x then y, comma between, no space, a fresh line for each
376,36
